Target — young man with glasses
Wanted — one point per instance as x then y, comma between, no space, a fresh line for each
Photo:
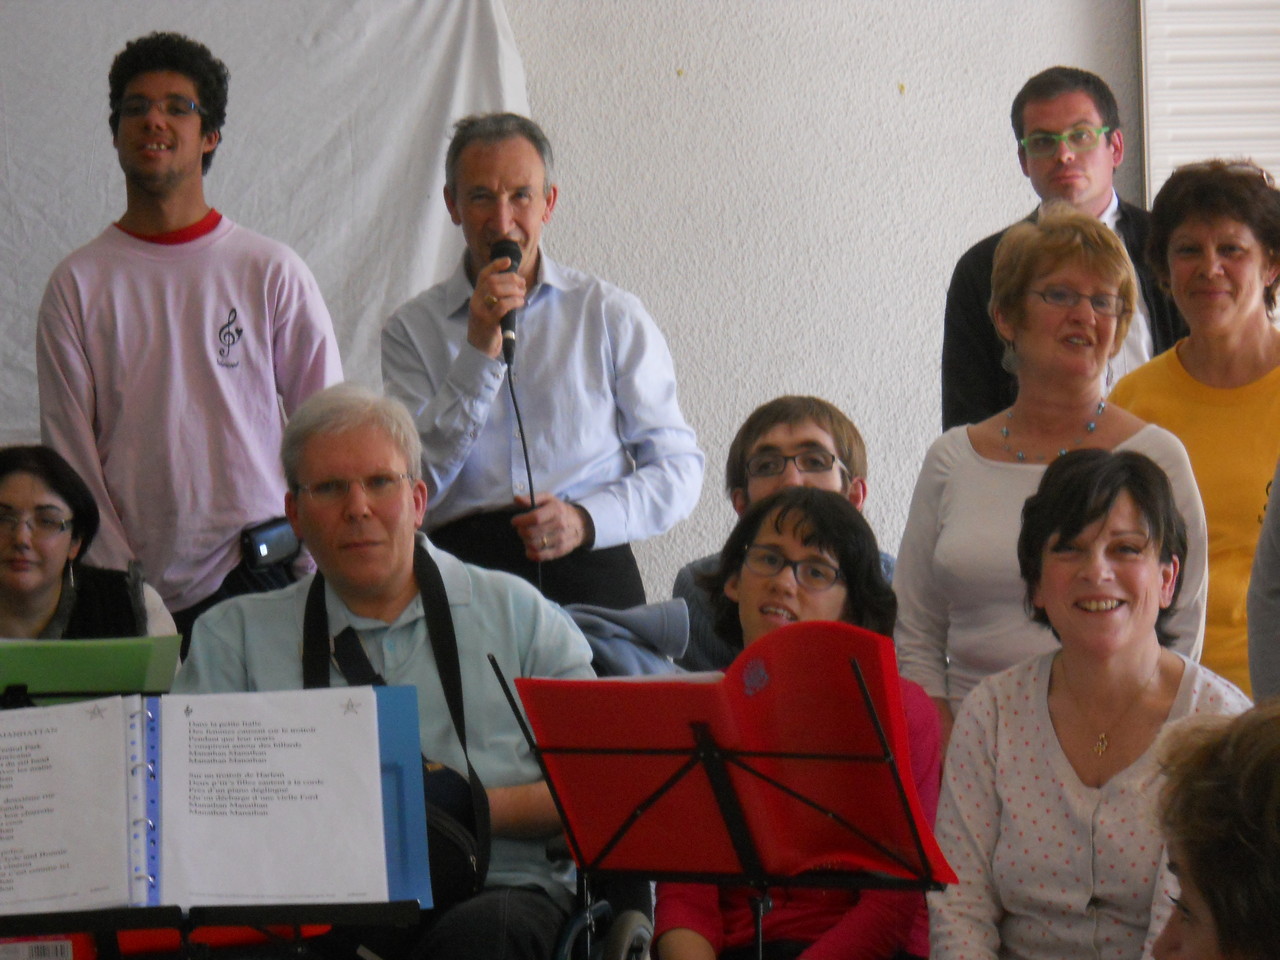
1067,127
788,442
168,347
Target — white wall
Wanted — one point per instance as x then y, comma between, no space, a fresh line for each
787,184
337,125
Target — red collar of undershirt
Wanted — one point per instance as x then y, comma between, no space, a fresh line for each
195,231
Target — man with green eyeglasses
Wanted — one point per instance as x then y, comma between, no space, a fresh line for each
171,347
1067,127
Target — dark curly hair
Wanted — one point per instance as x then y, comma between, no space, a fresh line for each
173,51
818,518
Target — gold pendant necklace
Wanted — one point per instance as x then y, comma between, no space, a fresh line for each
1101,744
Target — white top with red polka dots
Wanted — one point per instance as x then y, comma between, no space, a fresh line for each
1050,868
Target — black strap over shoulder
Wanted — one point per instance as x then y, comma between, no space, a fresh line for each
444,642
354,664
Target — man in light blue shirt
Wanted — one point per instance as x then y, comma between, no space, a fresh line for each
612,457
355,498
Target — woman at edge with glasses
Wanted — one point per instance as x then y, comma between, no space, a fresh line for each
1063,292
47,521
1047,808
1215,244
804,554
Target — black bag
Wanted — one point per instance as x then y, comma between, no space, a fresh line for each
457,807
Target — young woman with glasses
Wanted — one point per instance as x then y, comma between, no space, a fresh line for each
804,554
47,521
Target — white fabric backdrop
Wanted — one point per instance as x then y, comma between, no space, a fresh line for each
337,124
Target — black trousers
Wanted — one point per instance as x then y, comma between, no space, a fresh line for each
606,578
239,581
504,923
785,950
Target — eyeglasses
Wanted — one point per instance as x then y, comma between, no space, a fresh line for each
42,528
378,487
1077,139
814,575
1103,304
813,460
172,105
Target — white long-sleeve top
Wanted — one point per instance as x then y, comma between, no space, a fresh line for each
962,609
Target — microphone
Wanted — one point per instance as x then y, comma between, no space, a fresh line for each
511,249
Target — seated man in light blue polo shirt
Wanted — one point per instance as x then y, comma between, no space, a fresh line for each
356,498
787,442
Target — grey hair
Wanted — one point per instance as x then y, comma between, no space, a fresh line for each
494,128
343,407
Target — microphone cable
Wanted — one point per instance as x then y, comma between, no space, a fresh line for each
511,250
524,448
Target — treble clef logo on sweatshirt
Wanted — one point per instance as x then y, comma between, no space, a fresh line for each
229,335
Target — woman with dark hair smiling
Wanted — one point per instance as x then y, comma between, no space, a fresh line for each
1046,799
805,554
47,521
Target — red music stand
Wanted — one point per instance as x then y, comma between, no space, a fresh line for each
785,771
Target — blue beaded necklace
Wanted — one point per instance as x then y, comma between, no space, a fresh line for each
1089,427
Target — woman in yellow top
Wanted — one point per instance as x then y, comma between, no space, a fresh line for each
1215,244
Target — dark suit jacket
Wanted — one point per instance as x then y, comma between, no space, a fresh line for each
974,385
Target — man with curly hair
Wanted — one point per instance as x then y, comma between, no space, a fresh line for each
171,348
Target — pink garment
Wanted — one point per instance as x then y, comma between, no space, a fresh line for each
166,374
841,925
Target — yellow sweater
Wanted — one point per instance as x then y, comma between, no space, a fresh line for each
1233,439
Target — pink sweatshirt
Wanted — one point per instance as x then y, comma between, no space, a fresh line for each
166,374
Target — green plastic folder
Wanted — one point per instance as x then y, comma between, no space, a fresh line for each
72,669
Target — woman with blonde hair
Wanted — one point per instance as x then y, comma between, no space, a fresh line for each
1063,292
